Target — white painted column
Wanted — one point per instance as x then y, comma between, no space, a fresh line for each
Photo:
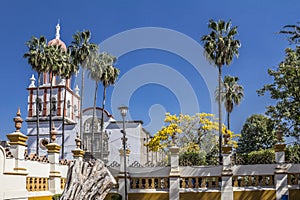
121,176
226,187
174,174
17,142
54,174
53,157
281,183
14,183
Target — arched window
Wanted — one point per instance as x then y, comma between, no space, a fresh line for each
38,107
53,105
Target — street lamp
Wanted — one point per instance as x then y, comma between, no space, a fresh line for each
123,111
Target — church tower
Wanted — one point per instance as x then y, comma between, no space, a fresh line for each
61,92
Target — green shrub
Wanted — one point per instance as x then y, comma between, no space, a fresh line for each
56,197
263,156
191,159
292,154
116,197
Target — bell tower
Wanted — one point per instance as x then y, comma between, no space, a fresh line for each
65,105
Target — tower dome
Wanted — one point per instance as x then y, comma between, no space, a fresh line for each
56,40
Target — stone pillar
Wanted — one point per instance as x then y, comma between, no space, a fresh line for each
17,141
53,157
78,153
121,176
282,190
174,174
226,187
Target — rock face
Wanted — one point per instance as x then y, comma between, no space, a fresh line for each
87,180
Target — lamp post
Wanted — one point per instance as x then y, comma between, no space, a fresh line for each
123,111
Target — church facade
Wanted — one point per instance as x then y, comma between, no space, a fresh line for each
105,146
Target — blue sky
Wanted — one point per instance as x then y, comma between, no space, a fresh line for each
171,73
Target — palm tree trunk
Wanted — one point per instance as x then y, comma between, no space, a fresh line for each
228,120
63,122
37,110
102,121
50,106
82,145
93,119
220,115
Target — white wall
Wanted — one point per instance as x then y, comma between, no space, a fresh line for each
133,133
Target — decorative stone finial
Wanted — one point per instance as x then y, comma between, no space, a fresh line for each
32,81
53,133
279,135
78,141
77,90
226,137
18,121
78,153
57,35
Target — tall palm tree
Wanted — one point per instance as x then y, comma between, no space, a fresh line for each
220,47
95,73
109,77
36,58
68,70
55,61
232,94
81,48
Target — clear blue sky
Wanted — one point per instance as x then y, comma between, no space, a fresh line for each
257,21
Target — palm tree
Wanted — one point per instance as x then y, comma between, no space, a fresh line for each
220,47
55,61
95,73
36,58
81,48
68,69
232,94
109,77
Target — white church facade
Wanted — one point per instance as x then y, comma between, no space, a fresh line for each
106,146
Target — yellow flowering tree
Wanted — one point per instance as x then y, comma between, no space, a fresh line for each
191,133
167,135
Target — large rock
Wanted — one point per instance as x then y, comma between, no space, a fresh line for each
87,180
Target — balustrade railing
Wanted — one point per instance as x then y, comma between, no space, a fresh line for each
62,183
211,182
253,180
293,178
149,183
37,184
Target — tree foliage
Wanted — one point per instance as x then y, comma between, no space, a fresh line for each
293,32
262,156
232,94
83,53
286,91
190,133
102,69
292,154
257,133
192,159
220,48
220,44
35,58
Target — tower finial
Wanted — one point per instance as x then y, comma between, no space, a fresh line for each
18,121
57,35
53,133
